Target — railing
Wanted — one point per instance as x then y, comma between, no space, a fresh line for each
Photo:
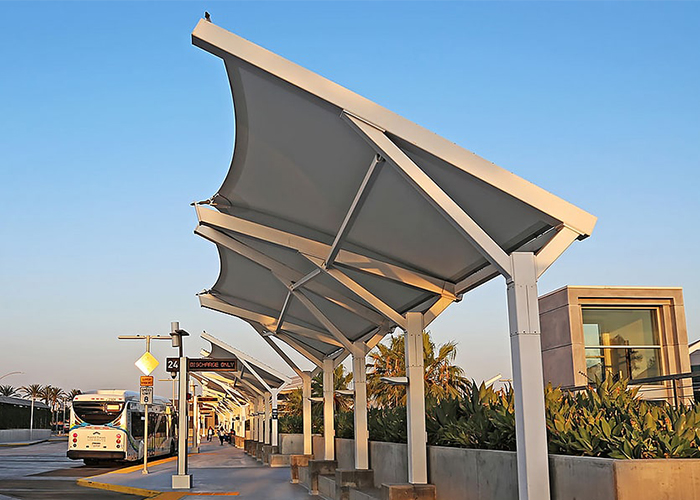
694,376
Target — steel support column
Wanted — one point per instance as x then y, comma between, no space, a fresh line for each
306,397
359,377
328,410
415,399
274,438
268,398
259,417
526,354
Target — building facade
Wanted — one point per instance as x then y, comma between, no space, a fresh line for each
637,333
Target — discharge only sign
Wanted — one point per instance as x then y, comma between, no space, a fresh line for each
203,365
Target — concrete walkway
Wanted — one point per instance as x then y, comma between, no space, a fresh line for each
216,470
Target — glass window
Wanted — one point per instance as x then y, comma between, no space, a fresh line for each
137,425
621,343
98,412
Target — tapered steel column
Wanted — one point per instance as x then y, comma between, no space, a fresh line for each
306,396
260,437
359,377
328,423
274,438
526,357
267,417
253,421
415,408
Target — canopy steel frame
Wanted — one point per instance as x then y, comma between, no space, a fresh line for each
546,233
307,246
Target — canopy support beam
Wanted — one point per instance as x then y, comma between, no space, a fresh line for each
289,277
526,356
212,218
355,208
557,245
433,193
211,301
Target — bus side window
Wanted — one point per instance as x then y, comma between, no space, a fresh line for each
137,421
161,427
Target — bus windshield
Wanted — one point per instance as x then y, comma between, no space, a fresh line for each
98,412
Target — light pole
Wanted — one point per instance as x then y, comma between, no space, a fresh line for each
146,363
174,381
181,480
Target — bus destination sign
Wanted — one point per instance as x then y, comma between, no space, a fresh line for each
203,365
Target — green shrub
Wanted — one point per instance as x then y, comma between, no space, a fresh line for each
608,419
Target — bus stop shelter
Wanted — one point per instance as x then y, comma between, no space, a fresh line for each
340,221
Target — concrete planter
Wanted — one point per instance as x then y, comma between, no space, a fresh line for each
465,474
291,444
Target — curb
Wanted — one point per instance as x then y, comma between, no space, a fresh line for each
118,488
22,443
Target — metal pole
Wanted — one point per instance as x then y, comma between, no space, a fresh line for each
195,411
526,356
675,393
31,421
415,399
145,442
182,480
328,424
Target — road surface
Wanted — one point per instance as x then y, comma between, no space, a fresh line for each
42,471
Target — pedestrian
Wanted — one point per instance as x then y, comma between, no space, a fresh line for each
221,435
210,433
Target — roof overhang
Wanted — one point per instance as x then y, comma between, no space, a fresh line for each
338,216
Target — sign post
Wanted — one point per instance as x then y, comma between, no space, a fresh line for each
146,399
183,366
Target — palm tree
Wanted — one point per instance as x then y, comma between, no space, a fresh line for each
73,393
443,379
32,391
52,397
8,391
294,403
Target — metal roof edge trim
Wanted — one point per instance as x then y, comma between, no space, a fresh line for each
219,42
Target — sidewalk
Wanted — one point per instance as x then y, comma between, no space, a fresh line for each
216,470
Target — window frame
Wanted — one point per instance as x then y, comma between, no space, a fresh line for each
656,325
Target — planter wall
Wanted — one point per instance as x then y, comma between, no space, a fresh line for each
291,444
466,474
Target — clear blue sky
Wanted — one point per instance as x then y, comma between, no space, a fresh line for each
111,123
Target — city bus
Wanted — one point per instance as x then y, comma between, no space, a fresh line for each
108,426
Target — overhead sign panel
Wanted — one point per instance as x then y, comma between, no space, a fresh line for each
203,365
207,399
211,365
